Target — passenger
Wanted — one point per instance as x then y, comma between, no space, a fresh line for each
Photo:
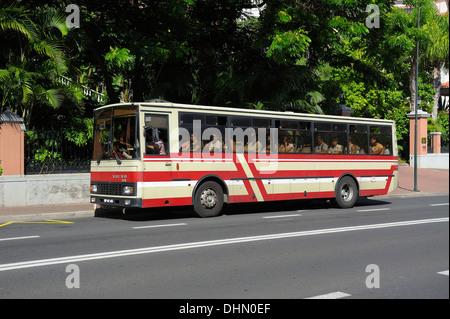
196,145
215,145
119,152
253,145
186,145
238,145
321,146
335,148
287,146
124,144
387,150
154,144
228,146
268,144
376,148
354,149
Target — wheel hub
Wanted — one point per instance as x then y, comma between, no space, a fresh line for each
208,198
347,193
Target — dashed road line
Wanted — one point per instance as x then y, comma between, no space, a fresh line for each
445,273
373,210
331,295
156,226
282,216
17,238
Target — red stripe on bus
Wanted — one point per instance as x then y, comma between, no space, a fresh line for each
234,199
248,186
227,175
161,202
119,176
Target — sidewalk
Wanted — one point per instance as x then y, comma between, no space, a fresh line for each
429,181
43,212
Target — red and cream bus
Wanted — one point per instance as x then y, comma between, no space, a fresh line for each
157,154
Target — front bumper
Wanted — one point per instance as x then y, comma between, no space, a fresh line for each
116,201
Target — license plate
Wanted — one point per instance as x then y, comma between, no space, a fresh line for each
109,201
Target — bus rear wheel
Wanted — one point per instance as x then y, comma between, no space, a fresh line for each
208,199
346,192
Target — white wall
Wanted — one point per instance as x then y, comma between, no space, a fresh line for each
24,190
438,161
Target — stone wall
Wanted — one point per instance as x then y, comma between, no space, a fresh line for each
24,190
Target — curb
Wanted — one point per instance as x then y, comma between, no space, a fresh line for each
46,216
412,194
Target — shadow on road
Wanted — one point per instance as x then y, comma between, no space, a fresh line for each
173,213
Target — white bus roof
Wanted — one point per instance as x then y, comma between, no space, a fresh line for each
248,112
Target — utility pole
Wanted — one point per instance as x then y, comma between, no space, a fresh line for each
416,104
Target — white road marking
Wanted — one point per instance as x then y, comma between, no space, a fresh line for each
282,216
209,243
16,238
445,273
156,226
332,295
443,204
373,210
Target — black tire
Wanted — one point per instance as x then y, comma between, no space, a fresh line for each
208,199
346,192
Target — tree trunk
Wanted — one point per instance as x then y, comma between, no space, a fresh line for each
436,78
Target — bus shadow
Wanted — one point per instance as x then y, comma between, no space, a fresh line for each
296,206
367,201
146,214
186,212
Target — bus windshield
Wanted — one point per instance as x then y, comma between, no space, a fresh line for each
115,134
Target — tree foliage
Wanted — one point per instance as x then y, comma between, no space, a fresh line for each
296,55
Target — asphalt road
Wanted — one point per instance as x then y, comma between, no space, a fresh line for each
382,248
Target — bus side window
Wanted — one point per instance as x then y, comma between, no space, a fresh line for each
303,142
380,140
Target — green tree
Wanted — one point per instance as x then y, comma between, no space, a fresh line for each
120,63
30,67
436,51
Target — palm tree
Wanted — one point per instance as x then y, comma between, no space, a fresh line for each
28,77
14,18
436,53
434,47
38,32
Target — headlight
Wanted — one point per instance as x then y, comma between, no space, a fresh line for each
127,190
93,188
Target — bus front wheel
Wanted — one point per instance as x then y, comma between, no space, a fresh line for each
208,199
346,192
